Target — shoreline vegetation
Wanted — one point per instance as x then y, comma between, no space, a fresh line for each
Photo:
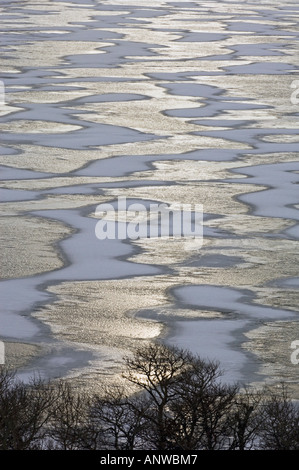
172,401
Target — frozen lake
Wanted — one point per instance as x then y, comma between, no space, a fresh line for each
176,103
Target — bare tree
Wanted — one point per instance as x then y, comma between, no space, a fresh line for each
68,427
202,407
155,369
179,403
187,404
280,415
245,420
120,417
24,410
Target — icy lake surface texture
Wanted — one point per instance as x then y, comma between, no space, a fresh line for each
156,102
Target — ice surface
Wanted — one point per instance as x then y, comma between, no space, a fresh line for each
167,102
216,340
227,300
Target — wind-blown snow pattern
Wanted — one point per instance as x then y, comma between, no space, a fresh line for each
169,102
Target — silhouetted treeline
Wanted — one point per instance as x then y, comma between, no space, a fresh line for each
179,403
